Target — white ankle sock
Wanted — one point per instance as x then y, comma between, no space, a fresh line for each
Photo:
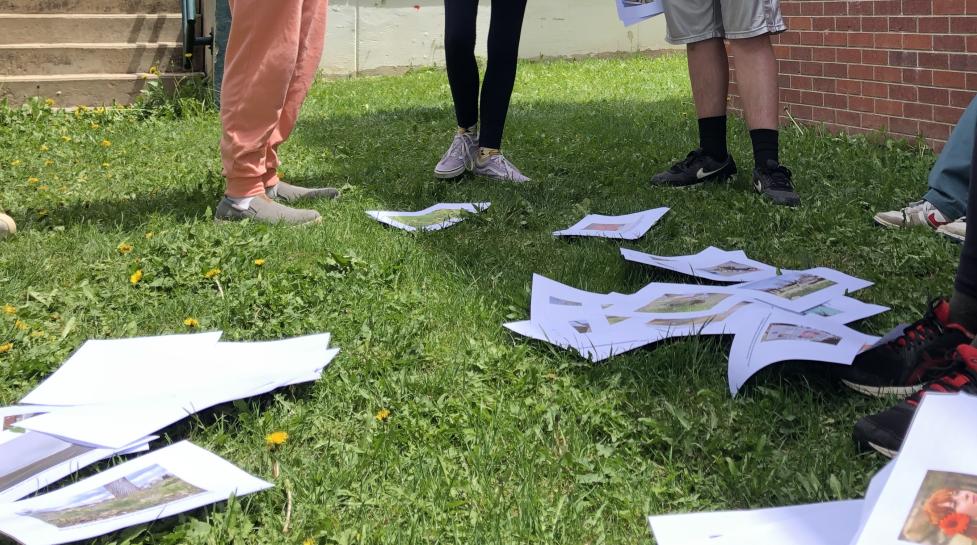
240,203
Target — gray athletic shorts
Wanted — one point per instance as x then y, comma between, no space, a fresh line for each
691,21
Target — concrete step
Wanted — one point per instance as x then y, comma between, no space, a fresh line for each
89,58
70,28
70,90
89,6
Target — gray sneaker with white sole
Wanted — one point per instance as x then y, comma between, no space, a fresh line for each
264,210
459,157
291,193
497,167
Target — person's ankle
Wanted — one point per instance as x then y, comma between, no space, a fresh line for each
240,203
963,310
469,130
485,153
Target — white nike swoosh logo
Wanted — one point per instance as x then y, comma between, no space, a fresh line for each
703,174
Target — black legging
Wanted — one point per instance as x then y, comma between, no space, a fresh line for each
967,272
500,74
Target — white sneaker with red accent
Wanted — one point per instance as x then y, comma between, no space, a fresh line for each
956,230
917,213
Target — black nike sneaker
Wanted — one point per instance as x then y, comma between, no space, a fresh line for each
696,168
922,353
884,432
774,181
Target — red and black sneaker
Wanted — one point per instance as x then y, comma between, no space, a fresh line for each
922,353
885,431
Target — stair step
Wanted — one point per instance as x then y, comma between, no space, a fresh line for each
69,90
90,6
70,28
89,58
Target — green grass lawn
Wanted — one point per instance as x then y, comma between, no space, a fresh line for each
490,438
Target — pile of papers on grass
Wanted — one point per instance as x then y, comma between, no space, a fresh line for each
926,495
108,399
774,316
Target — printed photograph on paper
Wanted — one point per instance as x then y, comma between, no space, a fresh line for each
581,326
731,268
10,422
823,310
945,511
564,302
792,286
437,217
791,332
613,227
693,302
148,488
683,322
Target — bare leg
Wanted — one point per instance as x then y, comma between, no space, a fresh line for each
758,86
709,72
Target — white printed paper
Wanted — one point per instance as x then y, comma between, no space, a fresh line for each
765,336
628,227
798,291
845,310
930,498
169,481
711,264
432,218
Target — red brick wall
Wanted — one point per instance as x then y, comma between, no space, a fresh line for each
906,66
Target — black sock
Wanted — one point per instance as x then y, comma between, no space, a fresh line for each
766,146
712,137
963,310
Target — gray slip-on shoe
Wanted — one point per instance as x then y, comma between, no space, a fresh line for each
264,210
291,193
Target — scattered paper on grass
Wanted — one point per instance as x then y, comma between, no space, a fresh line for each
799,291
765,336
711,264
172,480
628,227
845,310
432,218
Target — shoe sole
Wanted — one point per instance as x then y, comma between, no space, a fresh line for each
450,174
712,179
888,453
887,224
951,236
882,391
315,221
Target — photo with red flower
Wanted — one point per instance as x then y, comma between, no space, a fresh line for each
945,510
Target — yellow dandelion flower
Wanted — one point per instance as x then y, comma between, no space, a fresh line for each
21,325
154,70
43,188
191,322
382,415
212,273
124,248
277,438
309,541
106,143
106,165
48,162
9,309
259,262
66,138
32,180
6,347
149,235
100,110
44,148
15,162
136,277
94,125
82,109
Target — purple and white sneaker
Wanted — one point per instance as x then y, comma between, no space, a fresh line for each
459,157
497,167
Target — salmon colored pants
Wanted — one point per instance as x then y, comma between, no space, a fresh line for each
272,57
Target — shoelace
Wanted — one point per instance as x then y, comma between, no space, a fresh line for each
458,145
964,380
922,330
684,164
780,178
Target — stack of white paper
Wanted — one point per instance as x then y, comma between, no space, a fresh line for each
172,480
110,396
636,11
712,264
927,495
799,315
432,218
628,227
